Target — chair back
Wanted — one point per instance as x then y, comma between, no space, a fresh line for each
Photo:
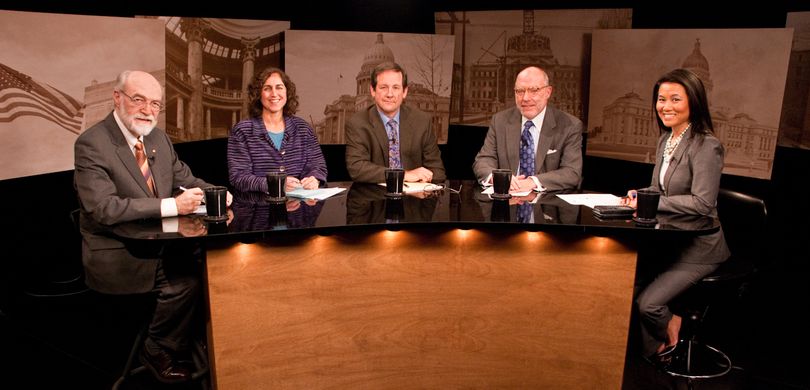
744,219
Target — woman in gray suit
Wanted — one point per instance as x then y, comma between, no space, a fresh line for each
689,163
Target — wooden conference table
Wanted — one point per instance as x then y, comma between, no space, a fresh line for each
442,291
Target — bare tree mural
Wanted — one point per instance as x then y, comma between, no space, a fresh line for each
428,69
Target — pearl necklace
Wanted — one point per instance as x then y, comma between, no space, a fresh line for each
672,144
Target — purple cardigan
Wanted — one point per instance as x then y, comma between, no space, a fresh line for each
251,154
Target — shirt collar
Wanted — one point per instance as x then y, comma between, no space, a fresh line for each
384,118
537,120
131,139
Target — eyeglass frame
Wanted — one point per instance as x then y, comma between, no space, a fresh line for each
144,102
532,91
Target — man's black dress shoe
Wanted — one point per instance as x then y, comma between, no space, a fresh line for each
164,367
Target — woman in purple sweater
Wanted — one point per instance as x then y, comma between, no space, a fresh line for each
273,139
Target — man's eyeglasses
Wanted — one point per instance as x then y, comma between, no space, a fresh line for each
533,91
140,102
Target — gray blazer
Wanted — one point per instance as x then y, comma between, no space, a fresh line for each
367,145
111,189
692,182
559,151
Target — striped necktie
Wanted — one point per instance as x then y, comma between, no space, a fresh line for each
140,158
393,145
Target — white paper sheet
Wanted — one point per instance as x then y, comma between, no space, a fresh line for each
591,200
412,187
490,190
318,193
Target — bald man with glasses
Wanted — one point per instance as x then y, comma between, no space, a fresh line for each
540,144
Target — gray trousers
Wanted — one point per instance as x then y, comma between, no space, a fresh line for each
653,301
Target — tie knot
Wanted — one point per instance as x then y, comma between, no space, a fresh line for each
139,146
528,125
392,129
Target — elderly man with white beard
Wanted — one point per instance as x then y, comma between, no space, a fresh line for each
126,169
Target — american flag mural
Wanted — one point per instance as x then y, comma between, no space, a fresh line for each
20,95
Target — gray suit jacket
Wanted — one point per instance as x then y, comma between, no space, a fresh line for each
111,189
692,182
367,145
559,151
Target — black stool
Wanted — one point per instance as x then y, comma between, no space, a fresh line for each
63,278
743,218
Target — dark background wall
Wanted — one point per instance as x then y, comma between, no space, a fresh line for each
39,240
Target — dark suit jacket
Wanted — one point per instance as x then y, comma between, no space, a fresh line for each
692,182
367,145
111,189
559,151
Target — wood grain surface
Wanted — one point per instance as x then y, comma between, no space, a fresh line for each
452,309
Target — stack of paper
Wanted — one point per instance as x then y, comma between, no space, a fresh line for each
413,187
318,193
490,190
591,200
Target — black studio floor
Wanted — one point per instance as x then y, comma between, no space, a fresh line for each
82,341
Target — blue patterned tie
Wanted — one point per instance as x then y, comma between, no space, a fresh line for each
524,212
527,151
393,145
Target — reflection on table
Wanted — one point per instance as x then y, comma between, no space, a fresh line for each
252,212
460,203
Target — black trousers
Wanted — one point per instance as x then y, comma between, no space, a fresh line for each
178,289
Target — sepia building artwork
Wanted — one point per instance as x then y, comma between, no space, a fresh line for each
56,80
493,46
209,64
331,91
745,98
794,128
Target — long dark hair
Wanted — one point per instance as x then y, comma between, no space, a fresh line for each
255,93
699,114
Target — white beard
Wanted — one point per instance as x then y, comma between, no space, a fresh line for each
139,129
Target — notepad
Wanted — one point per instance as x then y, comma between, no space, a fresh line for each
318,193
591,200
413,187
490,190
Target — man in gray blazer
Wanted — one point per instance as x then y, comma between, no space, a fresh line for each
372,132
113,188
556,139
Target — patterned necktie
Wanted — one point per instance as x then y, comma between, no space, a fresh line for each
527,151
393,145
140,158
524,212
